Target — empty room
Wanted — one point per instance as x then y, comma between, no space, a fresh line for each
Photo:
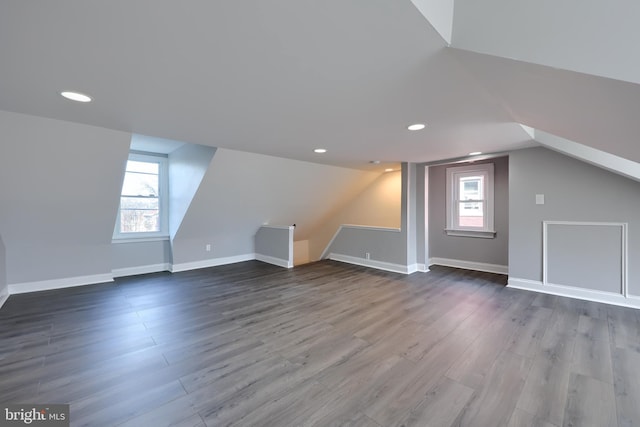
319,213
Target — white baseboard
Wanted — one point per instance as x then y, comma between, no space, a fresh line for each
380,265
470,265
4,297
275,261
423,268
577,293
67,282
213,262
143,269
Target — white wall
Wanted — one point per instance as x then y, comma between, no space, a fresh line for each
60,184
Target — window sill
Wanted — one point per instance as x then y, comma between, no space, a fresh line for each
471,233
140,239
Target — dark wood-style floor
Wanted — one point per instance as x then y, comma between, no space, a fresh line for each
327,344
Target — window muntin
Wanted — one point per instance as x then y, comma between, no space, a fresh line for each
470,200
143,199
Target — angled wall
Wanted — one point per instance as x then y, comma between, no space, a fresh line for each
377,206
187,166
242,191
59,185
600,36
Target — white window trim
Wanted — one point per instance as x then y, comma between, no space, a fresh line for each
453,175
163,190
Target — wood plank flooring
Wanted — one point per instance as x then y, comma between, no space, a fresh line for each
325,344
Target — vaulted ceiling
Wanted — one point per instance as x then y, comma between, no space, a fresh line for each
282,77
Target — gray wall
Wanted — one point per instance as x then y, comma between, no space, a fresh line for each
383,245
489,251
140,254
574,191
60,185
273,242
4,287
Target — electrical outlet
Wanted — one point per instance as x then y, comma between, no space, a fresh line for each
367,255
207,247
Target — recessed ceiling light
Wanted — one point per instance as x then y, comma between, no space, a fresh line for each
320,150
416,126
475,153
388,170
76,96
374,162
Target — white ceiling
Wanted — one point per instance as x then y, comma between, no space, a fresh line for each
282,77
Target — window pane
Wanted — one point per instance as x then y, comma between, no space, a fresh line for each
139,203
144,167
139,220
470,214
139,184
471,188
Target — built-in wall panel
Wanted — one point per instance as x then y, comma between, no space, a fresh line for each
585,255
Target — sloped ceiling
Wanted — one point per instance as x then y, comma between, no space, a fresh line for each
282,77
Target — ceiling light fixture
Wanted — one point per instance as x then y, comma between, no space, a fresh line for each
320,150
416,126
475,153
374,162
388,170
76,96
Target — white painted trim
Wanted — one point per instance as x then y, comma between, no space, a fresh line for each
275,261
290,260
213,262
471,233
470,265
423,268
380,265
455,173
593,156
624,273
3,298
278,227
370,227
142,269
120,240
67,282
572,292
361,227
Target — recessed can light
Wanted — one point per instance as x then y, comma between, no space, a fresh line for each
374,162
416,126
475,153
76,96
320,150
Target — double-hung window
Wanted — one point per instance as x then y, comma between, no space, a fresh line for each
143,211
470,201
